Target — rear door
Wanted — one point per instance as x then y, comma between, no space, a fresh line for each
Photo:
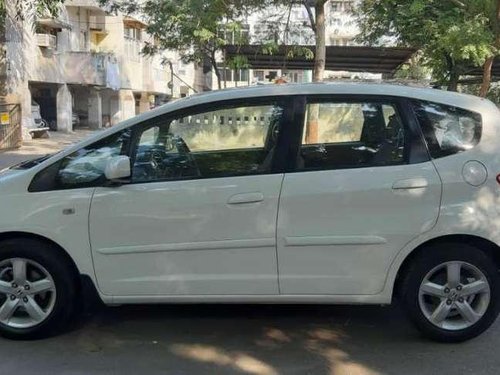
360,188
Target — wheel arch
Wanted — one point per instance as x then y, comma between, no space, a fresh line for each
59,249
490,248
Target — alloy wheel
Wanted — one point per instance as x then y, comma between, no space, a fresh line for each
454,295
27,293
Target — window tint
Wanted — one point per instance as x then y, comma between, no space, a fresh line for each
83,168
448,130
229,141
351,135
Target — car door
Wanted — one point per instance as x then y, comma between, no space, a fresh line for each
199,214
361,187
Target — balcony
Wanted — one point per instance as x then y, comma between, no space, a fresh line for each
92,5
97,23
84,68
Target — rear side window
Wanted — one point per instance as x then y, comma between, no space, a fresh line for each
351,134
448,130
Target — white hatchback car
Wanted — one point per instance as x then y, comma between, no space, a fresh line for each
317,193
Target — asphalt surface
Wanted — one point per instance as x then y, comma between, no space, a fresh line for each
246,339
42,146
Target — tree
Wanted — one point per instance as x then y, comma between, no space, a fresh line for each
320,33
453,35
317,24
195,28
495,29
316,13
29,10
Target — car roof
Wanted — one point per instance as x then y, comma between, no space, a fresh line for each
465,101
469,102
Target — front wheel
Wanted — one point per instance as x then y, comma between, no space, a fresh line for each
451,292
37,289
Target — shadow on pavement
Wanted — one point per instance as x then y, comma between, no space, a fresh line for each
248,339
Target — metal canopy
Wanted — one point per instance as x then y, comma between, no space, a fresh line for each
478,71
340,58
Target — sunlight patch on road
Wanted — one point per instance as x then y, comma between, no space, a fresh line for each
211,354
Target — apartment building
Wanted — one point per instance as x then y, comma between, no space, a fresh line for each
84,68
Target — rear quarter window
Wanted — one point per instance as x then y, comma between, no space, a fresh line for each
448,130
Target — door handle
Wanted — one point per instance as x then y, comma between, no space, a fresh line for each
246,198
410,183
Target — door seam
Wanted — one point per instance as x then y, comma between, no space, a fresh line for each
91,249
276,234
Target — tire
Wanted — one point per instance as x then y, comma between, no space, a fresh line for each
438,305
49,274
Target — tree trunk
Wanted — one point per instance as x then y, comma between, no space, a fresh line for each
485,86
320,57
213,65
219,78
318,26
453,82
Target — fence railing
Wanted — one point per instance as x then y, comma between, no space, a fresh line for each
10,126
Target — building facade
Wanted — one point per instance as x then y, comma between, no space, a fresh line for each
83,69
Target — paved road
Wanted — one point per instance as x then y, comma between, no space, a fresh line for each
248,339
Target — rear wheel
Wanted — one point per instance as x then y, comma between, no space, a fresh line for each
451,292
37,289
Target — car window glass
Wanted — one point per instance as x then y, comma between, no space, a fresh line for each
448,130
229,141
86,166
351,135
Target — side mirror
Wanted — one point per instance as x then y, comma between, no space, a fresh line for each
117,167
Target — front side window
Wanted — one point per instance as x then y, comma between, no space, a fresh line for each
83,168
448,130
351,135
231,141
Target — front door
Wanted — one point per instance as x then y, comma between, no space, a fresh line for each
199,215
362,187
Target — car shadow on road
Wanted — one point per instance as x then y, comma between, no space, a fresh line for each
262,340
247,339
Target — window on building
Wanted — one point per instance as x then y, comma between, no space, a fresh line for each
335,21
335,6
348,6
47,37
239,36
241,75
258,75
133,43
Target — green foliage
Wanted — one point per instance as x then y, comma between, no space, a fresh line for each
413,70
30,9
270,47
474,89
3,14
452,34
238,62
